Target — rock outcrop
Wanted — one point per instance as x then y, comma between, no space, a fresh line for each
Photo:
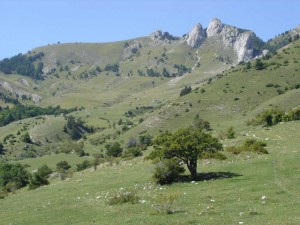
196,37
18,91
240,40
157,35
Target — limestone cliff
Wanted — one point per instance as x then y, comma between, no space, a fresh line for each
240,40
196,37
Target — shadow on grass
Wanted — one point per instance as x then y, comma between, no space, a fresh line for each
208,176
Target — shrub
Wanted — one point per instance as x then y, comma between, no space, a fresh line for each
84,165
201,123
134,151
123,196
234,150
186,90
167,171
230,134
114,149
255,146
13,176
37,181
249,145
63,169
268,117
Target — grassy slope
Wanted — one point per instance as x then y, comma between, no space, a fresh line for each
238,199
81,200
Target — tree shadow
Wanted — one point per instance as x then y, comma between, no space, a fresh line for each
208,176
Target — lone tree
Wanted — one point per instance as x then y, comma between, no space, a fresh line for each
187,145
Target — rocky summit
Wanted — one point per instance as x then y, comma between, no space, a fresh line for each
240,40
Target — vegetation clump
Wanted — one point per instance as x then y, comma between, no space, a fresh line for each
167,171
39,178
24,65
187,145
122,196
13,177
186,90
249,145
273,116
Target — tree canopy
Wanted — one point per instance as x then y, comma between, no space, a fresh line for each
187,144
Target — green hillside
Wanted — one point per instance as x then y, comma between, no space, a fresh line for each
129,91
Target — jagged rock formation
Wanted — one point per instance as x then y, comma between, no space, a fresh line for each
157,35
240,40
196,37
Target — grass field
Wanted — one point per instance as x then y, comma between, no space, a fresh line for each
248,188
243,189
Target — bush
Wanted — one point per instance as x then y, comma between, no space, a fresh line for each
114,149
63,169
13,176
84,165
201,123
167,171
123,196
234,150
186,90
135,151
249,145
230,134
40,177
38,181
268,117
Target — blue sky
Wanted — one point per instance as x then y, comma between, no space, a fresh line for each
26,24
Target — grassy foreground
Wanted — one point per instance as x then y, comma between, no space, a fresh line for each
244,189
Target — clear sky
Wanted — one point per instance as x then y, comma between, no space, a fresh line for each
26,24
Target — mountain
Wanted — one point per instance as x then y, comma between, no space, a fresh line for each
68,104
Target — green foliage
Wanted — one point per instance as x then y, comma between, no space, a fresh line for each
13,176
62,165
19,112
112,67
76,128
134,151
26,138
145,140
152,73
114,149
230,133
2,149
62,168
186,90
249,145
40,177
84,165
181,69
167,171
259,65
201,123
187,145
23,65
273,116
122,196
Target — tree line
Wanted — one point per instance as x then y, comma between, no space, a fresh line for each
19,112
23,65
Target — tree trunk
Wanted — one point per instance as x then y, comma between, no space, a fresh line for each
192,166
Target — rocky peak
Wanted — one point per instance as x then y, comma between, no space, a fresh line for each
196,36
156,35
215,27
